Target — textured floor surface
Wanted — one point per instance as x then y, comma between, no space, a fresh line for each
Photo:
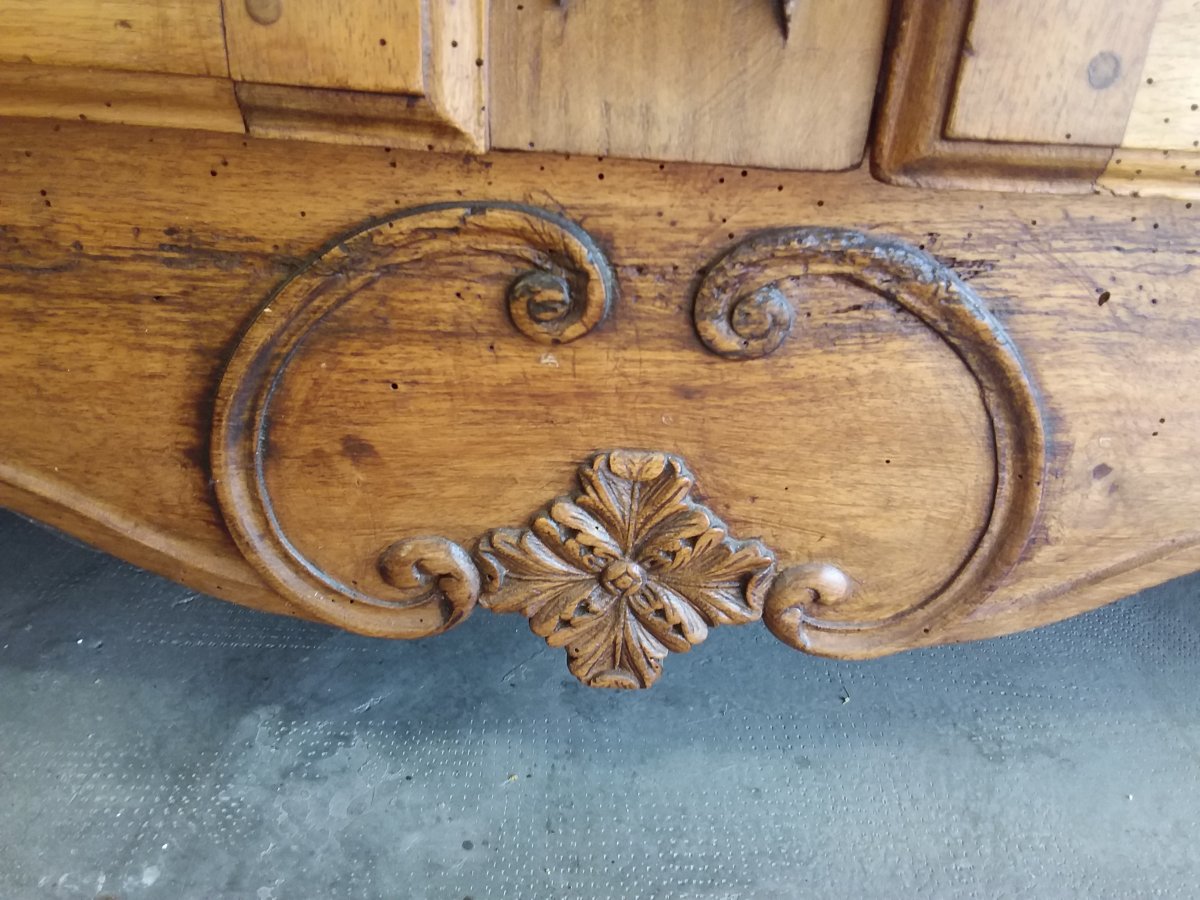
157,743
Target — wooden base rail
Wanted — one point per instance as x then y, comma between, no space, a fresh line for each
631,401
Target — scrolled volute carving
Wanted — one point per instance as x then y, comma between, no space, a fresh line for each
545,305
625,571
799,592
431,571
736,314
560,286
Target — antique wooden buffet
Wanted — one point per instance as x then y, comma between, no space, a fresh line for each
874,321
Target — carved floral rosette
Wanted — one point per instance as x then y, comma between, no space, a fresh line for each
625,571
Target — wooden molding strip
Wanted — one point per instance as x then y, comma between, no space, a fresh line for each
123,98
350,117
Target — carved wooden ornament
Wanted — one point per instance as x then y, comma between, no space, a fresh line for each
741,313
561,287
625,571
630,567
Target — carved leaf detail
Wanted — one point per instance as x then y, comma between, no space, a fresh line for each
625,571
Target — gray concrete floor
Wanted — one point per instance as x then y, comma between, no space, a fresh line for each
157,743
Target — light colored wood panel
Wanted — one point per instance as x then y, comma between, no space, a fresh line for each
125,286
675,79
358,45
129,98
910,145
1050,72
1166,107
407,74
457,83
179,36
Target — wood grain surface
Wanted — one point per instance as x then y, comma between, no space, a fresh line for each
1052,73
356,45
952,80
405,74
1166,108
182,37
126,98
132,261
680,80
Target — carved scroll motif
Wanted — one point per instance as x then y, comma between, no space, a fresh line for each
739,314
630,566
626,570
560,287
435,571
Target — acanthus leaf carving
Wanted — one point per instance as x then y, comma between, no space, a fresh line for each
624,572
